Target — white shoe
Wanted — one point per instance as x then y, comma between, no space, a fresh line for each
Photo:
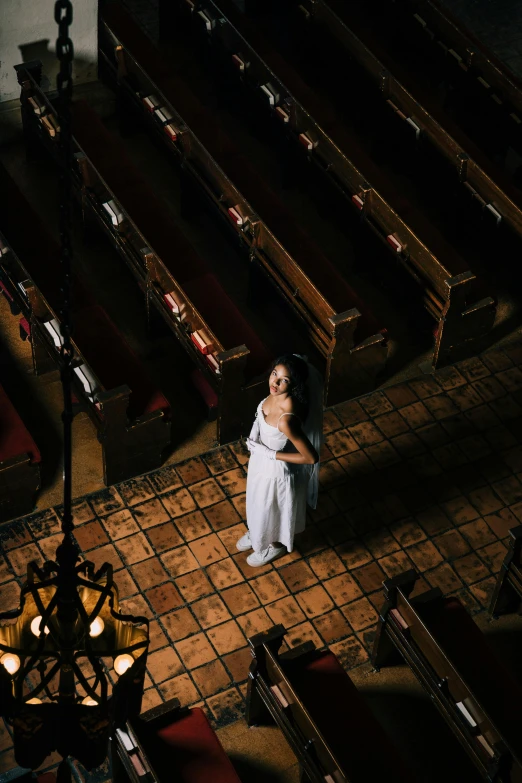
266,556
244,543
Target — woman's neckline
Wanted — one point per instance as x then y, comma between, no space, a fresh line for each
264,416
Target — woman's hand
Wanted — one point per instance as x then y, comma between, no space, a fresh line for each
253,446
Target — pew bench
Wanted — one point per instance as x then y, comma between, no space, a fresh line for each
466,63
507,596
19,463
338,322
230,359
449,290
453,661
131,415
413,100
168,743
321,713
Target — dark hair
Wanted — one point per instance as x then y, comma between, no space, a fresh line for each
298,371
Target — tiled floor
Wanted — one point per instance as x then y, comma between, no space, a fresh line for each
426,474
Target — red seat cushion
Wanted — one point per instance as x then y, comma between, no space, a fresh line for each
15,439
114,363
188,748
498,693
341,715
153,220
227,323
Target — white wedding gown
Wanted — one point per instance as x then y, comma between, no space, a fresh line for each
276,491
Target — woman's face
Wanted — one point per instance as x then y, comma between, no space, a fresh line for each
279,381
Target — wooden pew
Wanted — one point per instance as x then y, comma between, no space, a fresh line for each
413,99
450,291
507,596
466,63
170,744
19,463
231,360
130,413
322,715
452,659
338,322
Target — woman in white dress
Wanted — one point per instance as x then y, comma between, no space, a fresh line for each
284,450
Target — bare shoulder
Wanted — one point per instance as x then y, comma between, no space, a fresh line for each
290,424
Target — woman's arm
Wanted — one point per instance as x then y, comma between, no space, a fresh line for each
306,454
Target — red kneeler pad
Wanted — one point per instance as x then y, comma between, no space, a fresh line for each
189,747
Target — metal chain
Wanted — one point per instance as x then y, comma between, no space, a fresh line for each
63,14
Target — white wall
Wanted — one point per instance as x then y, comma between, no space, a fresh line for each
28,32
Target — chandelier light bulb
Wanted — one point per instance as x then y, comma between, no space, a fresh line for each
89,702
35,626
97,627
11,662
122,663
34,701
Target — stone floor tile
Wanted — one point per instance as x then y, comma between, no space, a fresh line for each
150,513
134,548
164,664
106,501
90,535
451,544
194,585
165,480
326,564
219,460
210,611
407,531
223,574
207,492
120,524
509,490
350,412
106,554
163,598
304,632
222,515
501,522
477,533
483,591
269,587
343,588
233,482
211,678
332,626
350,652
285,612
136,490
445,578
391,425
192,470
149,573
433,520
226,637
353,554
254,622
396,563
470,569
341,442
240,599
179,561
360,614
380,543
238,663
178,502
182,688
208,549
248,571
297,576
164,537
416,415
195,651
423,388
493,555
226,707
314,601
370,576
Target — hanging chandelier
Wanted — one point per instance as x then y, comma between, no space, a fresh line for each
57,647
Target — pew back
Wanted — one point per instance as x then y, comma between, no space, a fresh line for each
507,596
452,659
